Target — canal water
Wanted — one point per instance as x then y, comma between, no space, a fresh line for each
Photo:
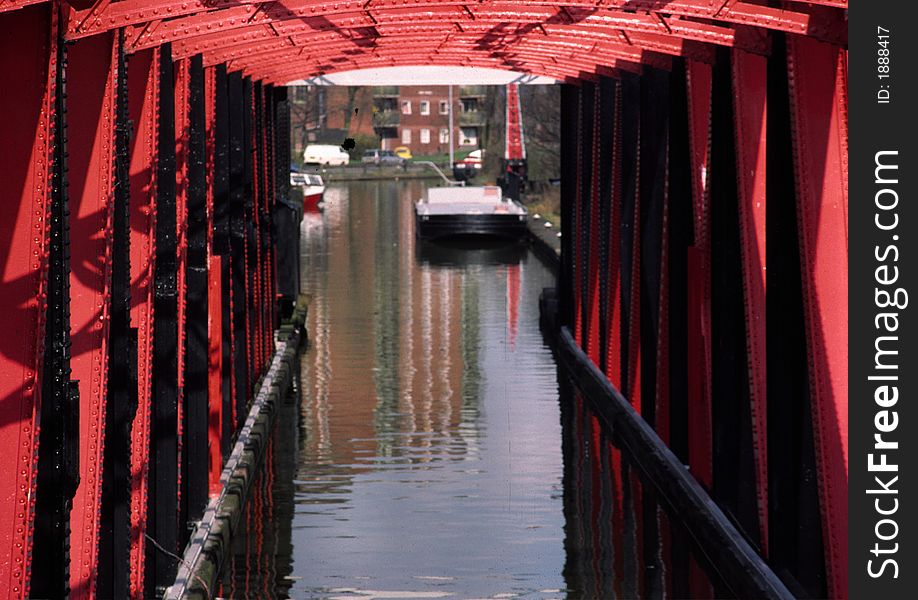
422,454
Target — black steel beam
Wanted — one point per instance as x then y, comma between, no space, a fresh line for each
237,231
162,511
568,167
115,527
58,454
195,408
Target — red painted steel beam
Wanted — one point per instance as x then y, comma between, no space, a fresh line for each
92,70
10,5
570,68
214,301
818,78
558,71
559,51
28,54
700,440
143,86
826,22
750,109
493,28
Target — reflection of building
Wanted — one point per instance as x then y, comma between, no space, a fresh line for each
393,365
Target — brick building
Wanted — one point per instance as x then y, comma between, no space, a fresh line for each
412,116
418,117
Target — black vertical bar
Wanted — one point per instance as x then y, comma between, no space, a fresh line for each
262,222
195,410
653,153
251,247
237,230
734,483
585,181
115,535
287,212
606,110
681,236
270,201
631,111
162,510
58,455
568,167
221,246
795,538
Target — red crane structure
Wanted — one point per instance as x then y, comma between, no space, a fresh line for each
146,148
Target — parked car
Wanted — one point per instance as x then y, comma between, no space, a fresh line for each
404,152
382,157
469,166
325,154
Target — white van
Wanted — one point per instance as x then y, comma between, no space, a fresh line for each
325,154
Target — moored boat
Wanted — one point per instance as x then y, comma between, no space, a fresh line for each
313,189
473,210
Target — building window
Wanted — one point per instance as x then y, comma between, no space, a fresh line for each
444,107
469,136
425,107
406,107
406,136
425,136
444,135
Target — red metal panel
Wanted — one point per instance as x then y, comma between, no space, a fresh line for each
27,57
699,80
749,109
817,75
180,99
143,84
91,115
214,303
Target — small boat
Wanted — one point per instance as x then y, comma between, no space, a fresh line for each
313,189
472,210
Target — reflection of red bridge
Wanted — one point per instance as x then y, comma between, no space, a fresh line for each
143,158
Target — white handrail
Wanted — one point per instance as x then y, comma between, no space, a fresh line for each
439,172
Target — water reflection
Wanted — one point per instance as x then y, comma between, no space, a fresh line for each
423,455
428,458
619,541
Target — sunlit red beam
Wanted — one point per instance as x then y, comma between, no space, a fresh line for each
830,26
572,66
608,22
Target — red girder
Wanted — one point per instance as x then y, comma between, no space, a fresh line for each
143,82
828,26
559,49
91,88
671,32
29,108
570,69
533,61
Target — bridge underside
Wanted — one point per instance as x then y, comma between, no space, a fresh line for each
146,154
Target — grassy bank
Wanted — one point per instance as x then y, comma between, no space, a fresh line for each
545,202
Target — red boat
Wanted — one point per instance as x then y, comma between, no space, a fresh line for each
313,189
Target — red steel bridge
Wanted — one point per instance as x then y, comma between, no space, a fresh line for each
145,149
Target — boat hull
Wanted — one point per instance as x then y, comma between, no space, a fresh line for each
312,196
431,227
